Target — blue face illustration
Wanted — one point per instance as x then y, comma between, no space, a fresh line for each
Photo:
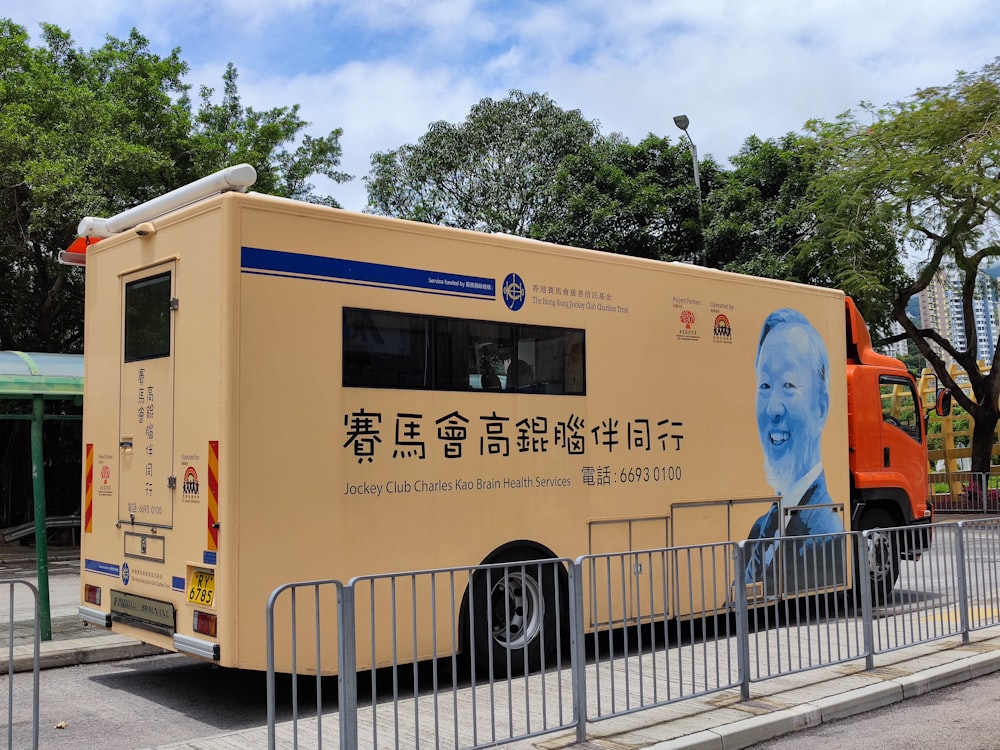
792,404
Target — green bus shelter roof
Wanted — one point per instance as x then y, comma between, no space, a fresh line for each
25,375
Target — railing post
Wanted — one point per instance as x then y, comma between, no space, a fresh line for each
742,621
577,651
347,667
963,586
36,661
271,690
864,593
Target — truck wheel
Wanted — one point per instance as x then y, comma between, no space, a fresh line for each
883,553
513,614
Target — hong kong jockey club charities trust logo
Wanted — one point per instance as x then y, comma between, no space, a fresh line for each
514,292
125,573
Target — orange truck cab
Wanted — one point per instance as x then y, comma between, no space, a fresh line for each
888,455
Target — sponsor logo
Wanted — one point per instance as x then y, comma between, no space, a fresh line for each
722,330
688,331
514,292
190,486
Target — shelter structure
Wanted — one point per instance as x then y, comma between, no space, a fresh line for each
40,378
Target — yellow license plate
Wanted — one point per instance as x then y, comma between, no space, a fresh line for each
201,590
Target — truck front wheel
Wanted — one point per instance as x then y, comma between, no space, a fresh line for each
513,616
883,553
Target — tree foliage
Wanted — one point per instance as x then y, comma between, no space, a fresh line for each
921,174
758,210
637,200
229,133
489,173
96,132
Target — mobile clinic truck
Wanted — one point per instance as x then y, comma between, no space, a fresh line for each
277,391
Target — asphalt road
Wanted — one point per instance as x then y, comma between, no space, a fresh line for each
965,716
140,703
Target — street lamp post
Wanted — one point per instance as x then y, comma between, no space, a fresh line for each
682,122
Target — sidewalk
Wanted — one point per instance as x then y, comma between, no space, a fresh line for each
715,722
73,641
720,721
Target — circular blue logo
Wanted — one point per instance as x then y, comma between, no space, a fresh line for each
514,292
125,573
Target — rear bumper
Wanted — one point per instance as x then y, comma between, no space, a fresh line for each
95,617
199,647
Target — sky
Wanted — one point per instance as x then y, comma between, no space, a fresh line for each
384,70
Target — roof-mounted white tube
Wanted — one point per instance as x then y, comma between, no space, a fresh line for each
239,177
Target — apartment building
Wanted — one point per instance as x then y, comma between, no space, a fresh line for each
941,309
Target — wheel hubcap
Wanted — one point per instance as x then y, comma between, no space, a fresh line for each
517,610
879,555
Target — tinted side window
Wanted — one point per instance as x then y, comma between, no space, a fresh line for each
383,349
386,350
147,318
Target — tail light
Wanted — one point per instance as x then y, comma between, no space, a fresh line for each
205,623
92,594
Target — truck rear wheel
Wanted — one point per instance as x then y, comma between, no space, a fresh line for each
512,616
883,553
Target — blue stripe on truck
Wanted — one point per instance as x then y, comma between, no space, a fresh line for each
276,263
106,569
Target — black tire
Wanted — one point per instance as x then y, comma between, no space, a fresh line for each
883,553
512,614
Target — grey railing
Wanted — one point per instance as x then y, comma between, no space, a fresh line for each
630,631
965,492
13,586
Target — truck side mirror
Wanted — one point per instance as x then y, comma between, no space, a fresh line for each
942,407
943,404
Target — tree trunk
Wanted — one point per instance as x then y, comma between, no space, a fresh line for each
983,431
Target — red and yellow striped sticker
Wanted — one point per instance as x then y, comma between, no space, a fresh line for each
88,503
213,495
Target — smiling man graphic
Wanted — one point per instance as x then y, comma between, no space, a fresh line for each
793,399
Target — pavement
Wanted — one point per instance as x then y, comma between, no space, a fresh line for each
720,721
73,641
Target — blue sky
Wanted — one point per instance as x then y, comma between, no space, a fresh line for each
383,70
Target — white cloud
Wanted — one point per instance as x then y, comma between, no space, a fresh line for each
384,69
379,106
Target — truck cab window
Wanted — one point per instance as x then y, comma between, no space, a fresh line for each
899,405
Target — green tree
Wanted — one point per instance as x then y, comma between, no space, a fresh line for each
229,133
490,173
96,132
758,215
637,200
921,174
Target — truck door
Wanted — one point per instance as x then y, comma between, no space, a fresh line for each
145,498
902,430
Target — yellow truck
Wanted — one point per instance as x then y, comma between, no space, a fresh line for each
277,391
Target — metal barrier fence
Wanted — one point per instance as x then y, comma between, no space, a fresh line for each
800,611
657,637
965,491
551,645
12,585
